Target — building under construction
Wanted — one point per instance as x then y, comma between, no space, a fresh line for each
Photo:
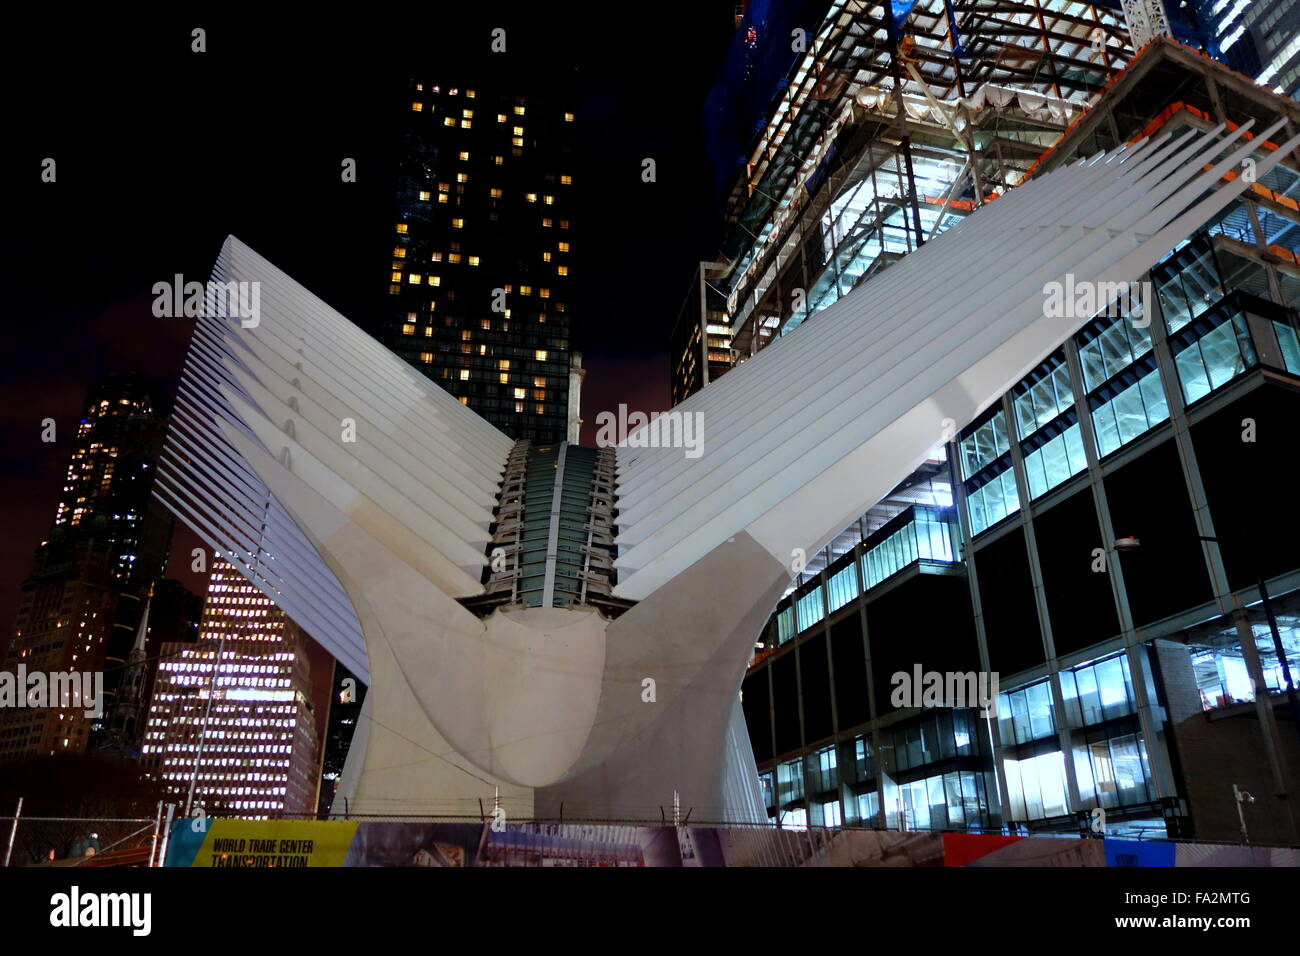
1093,536
865,155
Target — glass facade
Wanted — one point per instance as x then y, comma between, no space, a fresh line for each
809,608
1214,350
992,500
842,587
925,536
1128,407
984,445
1057,456
1042,397
1070,737
785,625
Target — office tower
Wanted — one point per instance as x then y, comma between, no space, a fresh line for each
480,283
81,603
700,347
1260,38
862,156
1096,536
231,721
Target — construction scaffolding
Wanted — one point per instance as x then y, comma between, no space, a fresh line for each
890,131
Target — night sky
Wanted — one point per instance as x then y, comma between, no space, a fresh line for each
162,152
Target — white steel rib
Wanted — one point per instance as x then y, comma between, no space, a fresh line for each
427,465
818,426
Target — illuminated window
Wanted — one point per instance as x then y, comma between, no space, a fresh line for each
519,406
562,270
470,94
539,394
564,224
525,290
396,277
464,400
425,195
454,257
426,357
519,111
464,335
436,257
462,177
464,156
401,228
546,257
568,117
468,114
519,393
417,107
503,364
442,197
466,124
531,197
518,131
473,260
566,180
435,280
541,355
564,247
539,380
501,117
541,409
516,141
544,293
394,289
505,378
449,121
549,200
399,252
496,193
428,331
548,223
408,329
498,160
485,324
464,375
458,224
410,317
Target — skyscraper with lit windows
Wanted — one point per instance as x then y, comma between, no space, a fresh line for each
108,542
480,265
231,721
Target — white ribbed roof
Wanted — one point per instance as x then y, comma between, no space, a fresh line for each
816,428
421,475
